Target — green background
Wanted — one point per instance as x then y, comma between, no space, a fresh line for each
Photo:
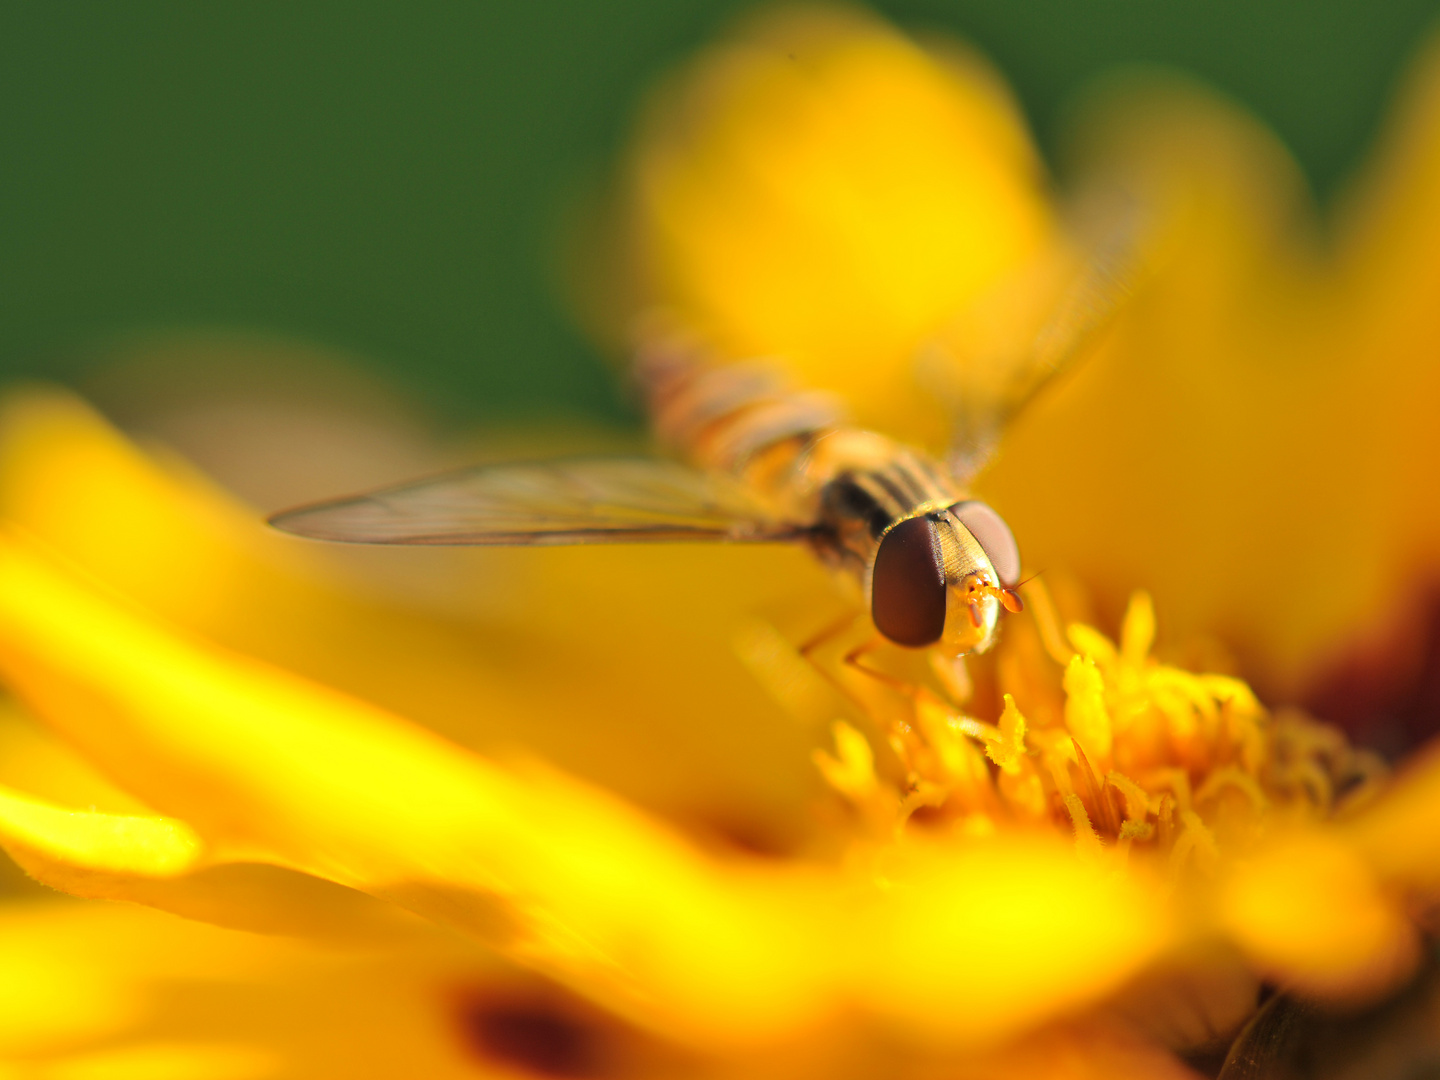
386,178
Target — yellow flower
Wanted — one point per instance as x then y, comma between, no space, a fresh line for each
1278,376
274,785
254,797
510,822
819,163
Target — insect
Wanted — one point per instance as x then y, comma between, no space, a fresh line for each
766,463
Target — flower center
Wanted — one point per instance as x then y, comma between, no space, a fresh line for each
1099,739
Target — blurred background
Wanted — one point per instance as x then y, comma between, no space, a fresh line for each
391,180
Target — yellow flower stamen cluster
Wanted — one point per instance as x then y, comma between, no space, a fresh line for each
1102,739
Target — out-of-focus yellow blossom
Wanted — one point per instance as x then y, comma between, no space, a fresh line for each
240,793
821,191
254,797
255,765
507,818
114,991
1256,444
1249,443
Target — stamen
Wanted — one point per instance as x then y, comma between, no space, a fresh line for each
1086,840
1230,776
1131,755
1178,781
1196,841
1137,633
1137,805
1137,830
532,1037
1007,745
1103,814
851,770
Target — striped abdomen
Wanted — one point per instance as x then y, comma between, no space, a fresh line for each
892,517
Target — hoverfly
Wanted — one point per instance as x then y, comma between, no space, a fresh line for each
761,463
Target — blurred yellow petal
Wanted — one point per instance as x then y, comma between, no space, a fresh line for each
821,163
1310,912
1139,814
181,546
91,991
1080,1052
980,941
42,1004
1251,444
101,991
512,658
44,837
1399,833
160,862
120,851
555,874
1193,455
33,760
167,1060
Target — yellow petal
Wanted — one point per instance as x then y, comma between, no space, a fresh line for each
1188,457
1080,1051
556,874
1196,996
262,761
33,760
820,163
91,991
167,1059
541,649
120,850
44,838
1309,912
976,942
1387,270
1399,834
1198,456
109,991
161,863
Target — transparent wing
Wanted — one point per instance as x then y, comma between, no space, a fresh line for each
581,501
986,379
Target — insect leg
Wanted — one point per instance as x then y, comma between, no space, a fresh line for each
865,648
887,700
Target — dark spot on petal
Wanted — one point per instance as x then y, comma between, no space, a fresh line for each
1383,689
930,817
725,833
532,1036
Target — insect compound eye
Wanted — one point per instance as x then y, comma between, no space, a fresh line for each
907,588
992,534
